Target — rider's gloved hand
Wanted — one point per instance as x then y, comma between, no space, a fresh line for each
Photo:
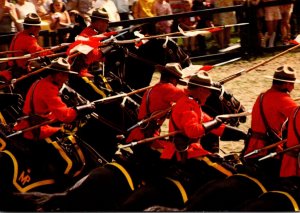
213,124
45,60
85,109
217,84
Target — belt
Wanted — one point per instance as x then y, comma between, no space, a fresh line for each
293,153
259,135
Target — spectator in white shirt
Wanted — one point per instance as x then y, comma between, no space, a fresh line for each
24,7
111,9
123,8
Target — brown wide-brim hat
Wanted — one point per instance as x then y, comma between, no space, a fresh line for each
174,69
284,73
202,79
32,19
100,14
61,65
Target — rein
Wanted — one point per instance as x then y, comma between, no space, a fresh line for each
147,61
135,56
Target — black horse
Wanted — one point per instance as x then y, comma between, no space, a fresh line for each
135,66
97,132
55,164
117,75
241,192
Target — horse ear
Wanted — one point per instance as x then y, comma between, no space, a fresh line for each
227,95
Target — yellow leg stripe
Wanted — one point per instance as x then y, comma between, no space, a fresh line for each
81,155
290,197
2,119
216,166
95,88
181,189
105,82
125,173
2,144
63,155
29,187
254,180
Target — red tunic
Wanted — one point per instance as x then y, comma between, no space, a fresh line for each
27,44
188,117
94,55
161,97
290,164
277,106
47,104
88,32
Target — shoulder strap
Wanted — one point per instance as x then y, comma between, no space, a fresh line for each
148,102
268,128
32,111
13,42
294,124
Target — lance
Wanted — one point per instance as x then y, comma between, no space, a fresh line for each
265,148
153,116
110,98
178,33
10,52
273,154
31,128
204,31
222,117
146,140
297,99
49,56
35,53
236,115
244,71
14,81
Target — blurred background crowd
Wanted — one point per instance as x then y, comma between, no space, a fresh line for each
275,24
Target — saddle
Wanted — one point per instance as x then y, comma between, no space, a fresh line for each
34,165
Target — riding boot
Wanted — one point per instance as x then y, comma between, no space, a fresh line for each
272,39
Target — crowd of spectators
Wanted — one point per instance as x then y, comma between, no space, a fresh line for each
274,23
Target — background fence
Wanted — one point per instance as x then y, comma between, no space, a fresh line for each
245,31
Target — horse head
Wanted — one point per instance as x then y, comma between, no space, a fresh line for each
129,62
223,102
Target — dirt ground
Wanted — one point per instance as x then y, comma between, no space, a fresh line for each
247,87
